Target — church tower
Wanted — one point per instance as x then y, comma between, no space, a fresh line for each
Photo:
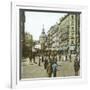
43,38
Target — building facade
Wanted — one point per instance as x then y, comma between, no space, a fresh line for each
65,36
70,35
52,39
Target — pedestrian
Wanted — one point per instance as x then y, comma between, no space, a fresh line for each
33,56
51,60
76,66
70,58
54,69
45,63
55,59
59,57
30,58
42,58
49,69
39,64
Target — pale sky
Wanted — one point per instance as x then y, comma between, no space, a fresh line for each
35,20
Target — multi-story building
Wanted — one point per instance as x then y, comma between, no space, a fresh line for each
65,35
52,38
78,33
69,29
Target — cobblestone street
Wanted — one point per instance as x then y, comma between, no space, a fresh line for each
32,70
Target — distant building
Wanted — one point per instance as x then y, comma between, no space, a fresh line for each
43,38
52,39
37,44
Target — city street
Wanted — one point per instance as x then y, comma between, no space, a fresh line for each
33,70
57,39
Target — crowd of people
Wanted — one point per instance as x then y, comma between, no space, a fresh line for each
50,65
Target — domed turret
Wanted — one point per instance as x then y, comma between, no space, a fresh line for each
43,37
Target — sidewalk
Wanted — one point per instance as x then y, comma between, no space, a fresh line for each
66,69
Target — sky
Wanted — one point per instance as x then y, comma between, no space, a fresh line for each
35,20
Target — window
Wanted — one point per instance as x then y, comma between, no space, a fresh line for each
72,20
72,16
72,42
72,28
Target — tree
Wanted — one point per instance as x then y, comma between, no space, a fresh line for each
27,49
